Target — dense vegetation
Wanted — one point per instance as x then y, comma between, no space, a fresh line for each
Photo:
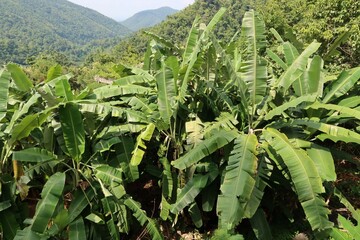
239,136
148,18
300,21
34,26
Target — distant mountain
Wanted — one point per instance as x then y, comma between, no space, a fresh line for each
29,27
148,18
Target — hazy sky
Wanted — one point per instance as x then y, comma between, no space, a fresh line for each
122,9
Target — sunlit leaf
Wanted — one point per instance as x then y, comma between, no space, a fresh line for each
140,146
33,155
4,92
204,149
304,176
239,181
73,130
21,80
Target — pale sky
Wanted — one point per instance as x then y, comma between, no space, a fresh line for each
122,9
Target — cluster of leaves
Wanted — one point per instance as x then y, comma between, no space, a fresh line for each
212,123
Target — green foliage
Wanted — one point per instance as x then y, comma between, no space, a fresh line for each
4,92
326,21
239,181
212,131
50,197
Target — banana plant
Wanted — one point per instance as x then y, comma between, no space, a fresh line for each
274,127
49,133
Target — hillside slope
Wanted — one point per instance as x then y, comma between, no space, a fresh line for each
29,27
148,18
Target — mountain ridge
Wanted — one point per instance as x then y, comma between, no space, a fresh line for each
148,18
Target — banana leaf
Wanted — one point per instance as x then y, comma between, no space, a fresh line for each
166,93
77,229
112,178
140,146
324,162
349,227
124,151
117,90
141,104
345,81
191,42
9,224
21,80
144,220
108,174
162,40
27,125
54,72
4,92
346,111
290,52
225,121
205,148
194,54
235,79
340,234
80,201
332,50
332,132
73,130
264,173
253,70
351,102
27,234
50,197
296,69
63,89
34,155
291,104
305,178
167,178
311,81
132,79
109,209
23,109
105,144
192,188
5,205
277,35
239,181
276,58
189,192
195,215
260,225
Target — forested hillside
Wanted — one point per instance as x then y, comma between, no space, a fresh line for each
326,21
148,18
29,27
